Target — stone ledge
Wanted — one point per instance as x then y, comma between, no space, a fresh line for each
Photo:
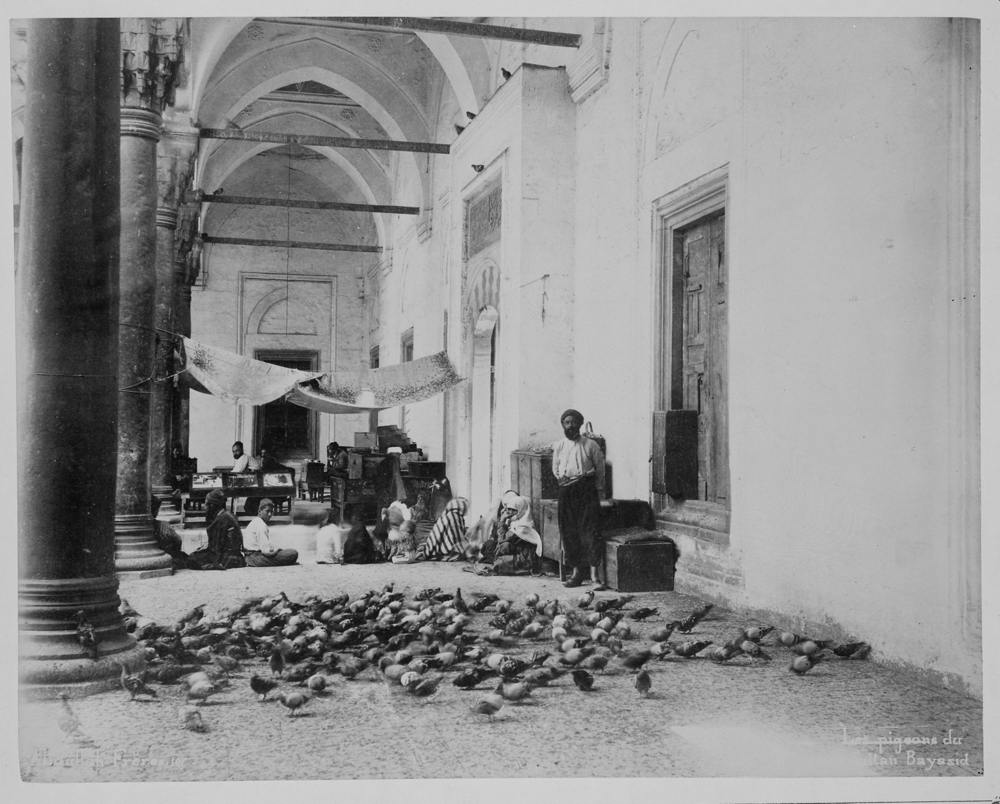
140,575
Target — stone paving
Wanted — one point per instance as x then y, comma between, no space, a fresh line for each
845,718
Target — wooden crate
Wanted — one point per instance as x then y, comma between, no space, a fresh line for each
365,441
638,566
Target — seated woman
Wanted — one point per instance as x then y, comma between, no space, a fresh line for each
445,542
405,543
516,534
168,540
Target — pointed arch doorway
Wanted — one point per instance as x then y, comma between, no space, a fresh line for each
485,454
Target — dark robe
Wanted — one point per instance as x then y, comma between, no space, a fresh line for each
359,548
225,544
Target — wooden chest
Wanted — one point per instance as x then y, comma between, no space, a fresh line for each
365,441
344,491
638,566
531,475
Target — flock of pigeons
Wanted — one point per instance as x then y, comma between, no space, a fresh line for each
292,650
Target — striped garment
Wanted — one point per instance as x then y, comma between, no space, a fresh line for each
446,538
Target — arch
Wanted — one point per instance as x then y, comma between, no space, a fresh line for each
443,50
334,156
484,289
221,32
257,320
356,93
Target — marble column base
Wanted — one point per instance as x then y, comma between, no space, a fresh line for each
169,512
51,659
136,553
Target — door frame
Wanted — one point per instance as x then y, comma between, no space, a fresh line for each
265,356
677,210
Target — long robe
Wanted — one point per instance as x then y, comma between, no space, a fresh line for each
225,544
445,540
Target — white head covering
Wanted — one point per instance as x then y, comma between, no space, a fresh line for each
523,525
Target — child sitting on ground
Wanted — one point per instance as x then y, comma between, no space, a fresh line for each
405,543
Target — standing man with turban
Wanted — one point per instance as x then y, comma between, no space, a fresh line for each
578,464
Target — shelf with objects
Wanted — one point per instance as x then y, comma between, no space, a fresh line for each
375,479
251,487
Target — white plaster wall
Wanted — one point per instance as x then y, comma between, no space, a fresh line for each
836,134
215,320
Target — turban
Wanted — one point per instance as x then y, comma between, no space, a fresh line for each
216,497
575,414
265,503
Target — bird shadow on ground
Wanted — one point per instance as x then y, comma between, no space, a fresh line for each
215,703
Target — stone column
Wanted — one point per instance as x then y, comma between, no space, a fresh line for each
67,361
160,436
146,84
187,266
175,164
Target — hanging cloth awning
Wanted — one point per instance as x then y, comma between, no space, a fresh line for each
246,381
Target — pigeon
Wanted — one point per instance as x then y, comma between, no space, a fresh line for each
352,667
664,633
471,677
459,604
643,683
479,168
848,650
803,664
276,662
506,74
426,687
634,661
317,682
170,672
197,612
583,680
459,129
516,692
262,686
723,653
293,701
689,650
585,599
753,650
809,647
643,612
470,115
226,663
135,685
595,662
862,652
86,635
541,676
510,667
491,704
70,724
220,191
687,625
756,633
201,690
191,719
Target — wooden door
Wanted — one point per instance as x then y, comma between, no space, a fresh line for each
702,376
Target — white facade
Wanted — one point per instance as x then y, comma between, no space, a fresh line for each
844,155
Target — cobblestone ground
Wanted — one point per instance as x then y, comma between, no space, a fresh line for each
845,718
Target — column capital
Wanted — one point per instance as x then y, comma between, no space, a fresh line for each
136,122
151,57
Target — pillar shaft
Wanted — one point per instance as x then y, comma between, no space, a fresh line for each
67,358
160,434
136,552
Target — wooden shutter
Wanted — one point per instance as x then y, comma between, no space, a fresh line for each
675,453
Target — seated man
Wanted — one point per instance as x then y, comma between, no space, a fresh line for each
336,460
241,461
257,547
168,540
